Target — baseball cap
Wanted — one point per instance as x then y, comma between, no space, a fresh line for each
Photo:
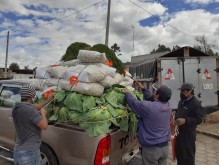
27,91
164,92
186,86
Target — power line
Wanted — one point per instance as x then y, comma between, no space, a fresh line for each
63,17
161,19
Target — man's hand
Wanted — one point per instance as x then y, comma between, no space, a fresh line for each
43,124
180,121
139,85
125,90
43,112
50,97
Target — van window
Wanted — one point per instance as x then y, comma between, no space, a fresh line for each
9,96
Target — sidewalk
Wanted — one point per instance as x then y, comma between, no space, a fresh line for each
211,125
210,129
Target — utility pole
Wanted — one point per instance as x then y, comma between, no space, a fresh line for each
133,39
6,58
108,23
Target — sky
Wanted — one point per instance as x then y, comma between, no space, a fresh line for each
40,31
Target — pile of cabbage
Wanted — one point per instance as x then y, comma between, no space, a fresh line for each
97,115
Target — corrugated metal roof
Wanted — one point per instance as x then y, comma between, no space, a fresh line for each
147,57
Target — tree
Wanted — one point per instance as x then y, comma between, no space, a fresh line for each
204,46
111,56
73,49
26,67
116,49
14,66
175,48
161,48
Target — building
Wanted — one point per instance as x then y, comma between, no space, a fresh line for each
17,74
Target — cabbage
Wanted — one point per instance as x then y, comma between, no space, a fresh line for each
95,114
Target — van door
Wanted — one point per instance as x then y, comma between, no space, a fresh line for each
201,73
171,75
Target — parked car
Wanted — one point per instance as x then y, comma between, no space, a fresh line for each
64,144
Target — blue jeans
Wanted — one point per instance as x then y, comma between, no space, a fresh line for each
27,157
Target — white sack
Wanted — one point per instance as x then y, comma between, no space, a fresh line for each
57,71
91,56
90,73
119,78
92,89
110,70
69,63
42,73
128,74
127,81
39,84
108,82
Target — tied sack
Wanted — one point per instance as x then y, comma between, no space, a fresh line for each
57,71
42,73
91,56
92,89
108,82
86,73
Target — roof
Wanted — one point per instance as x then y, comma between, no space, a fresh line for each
148,58
17,81
20,71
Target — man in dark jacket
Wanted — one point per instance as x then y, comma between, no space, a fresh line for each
153,125
187,116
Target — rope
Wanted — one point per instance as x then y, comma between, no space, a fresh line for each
176,127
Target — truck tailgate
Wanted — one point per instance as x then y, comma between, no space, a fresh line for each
123,147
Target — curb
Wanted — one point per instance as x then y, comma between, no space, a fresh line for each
209,134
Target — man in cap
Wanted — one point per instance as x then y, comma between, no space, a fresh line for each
187,116
153,125
28,124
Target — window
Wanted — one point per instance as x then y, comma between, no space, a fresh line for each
9,95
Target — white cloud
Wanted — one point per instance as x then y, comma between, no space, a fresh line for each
201,1
36,41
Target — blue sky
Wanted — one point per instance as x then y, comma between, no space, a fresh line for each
41,31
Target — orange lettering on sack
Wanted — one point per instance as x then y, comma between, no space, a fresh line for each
109,63
47,93
124,72
73,79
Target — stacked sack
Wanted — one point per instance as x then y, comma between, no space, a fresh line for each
89,74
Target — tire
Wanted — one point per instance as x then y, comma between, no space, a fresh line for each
48,157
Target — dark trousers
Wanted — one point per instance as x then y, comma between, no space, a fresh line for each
185,148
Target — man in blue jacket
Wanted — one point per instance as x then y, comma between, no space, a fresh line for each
153,125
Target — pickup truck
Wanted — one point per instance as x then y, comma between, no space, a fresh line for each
64,144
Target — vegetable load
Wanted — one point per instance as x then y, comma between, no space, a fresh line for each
95,114
88,93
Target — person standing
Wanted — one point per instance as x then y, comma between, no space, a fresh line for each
153,125
28,125
187,116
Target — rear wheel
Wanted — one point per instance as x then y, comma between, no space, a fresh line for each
47,155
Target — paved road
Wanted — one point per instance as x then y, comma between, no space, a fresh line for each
207,152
